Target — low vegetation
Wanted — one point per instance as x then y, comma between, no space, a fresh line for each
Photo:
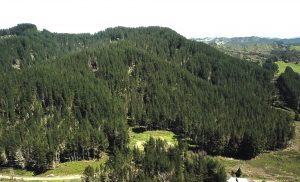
139,139
282,65
62,169
282,165
15,172
71,168
296,48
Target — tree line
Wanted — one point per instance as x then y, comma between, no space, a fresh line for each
158,162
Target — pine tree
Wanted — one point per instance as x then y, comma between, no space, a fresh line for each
238,173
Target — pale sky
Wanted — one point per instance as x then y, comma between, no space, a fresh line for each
190,18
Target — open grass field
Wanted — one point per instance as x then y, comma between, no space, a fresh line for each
138,139
63,169
283,165
16,172
296,48
282,65
72,168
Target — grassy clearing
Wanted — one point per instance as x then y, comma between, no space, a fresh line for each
63,169
282,65
296,48
138,139
283,165
16,172
72,168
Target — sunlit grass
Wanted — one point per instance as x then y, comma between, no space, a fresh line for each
282,65
283,165
77,167
296,48
138,139
62,169
16,172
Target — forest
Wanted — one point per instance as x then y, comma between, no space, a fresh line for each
289,87
158,162
68,97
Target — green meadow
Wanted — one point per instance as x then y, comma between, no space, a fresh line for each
282,65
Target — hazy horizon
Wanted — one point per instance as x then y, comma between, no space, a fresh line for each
190,18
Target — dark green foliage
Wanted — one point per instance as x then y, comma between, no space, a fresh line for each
289,86
74,95
19,29
160,162
286,55
249,146
238,173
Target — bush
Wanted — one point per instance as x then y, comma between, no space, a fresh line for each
238,173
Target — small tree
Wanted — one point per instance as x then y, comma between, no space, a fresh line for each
88,174
238,173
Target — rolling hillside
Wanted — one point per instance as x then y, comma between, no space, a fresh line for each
257,49
68,97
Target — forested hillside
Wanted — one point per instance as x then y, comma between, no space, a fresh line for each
71,97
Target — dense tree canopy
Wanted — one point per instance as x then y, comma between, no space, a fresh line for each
70,97
289,86
160,162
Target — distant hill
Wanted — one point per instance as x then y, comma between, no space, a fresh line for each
238,41
257,49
